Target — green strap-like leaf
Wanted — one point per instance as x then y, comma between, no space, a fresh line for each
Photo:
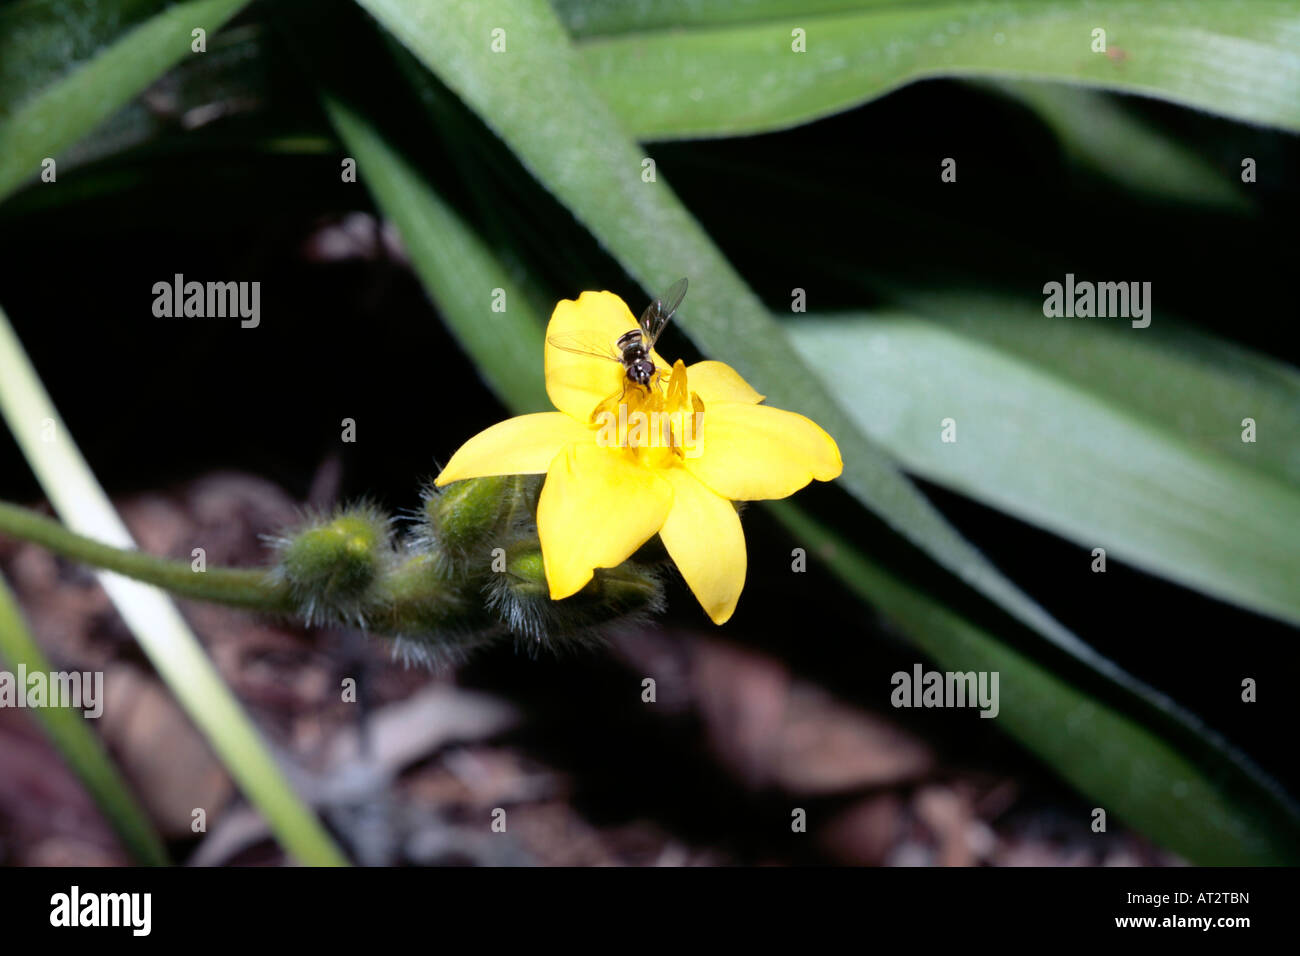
536,97
1194,384
449,259
723,69
1098,133
43,41
82,750
99,72
1117,438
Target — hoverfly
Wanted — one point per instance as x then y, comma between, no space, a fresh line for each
632,350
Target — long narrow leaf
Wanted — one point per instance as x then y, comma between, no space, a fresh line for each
44,123
83,751
1097,132
163,634
449,259
1167,485
724,69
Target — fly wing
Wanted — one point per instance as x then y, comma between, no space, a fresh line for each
655,318
586,343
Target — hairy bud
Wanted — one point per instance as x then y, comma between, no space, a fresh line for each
465,521
333,564
469,572
521,598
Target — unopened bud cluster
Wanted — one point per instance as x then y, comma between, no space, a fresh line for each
468,571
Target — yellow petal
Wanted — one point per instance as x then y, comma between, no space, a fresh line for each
597,507
517,446
704,538
751,452
719,382
577,383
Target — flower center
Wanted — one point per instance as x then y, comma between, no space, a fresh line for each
658,424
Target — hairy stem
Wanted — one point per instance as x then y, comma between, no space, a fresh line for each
415,596
252,588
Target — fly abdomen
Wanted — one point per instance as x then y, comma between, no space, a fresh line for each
636,357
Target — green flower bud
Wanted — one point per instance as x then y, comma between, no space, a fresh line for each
471,572
630,588
528,572
418,599
431,620
469,511
521,598
465,521
332,565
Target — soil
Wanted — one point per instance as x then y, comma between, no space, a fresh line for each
734,749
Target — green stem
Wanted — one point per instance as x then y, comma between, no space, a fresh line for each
252,588
416,599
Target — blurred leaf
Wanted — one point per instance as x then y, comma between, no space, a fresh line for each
586,18
457,269
42,41
1097,132
82,749
536,98
1119,438
1205,802
163,635
686,70
96,72
1161,771
1175,375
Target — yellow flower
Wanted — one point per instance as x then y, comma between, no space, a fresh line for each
624,462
